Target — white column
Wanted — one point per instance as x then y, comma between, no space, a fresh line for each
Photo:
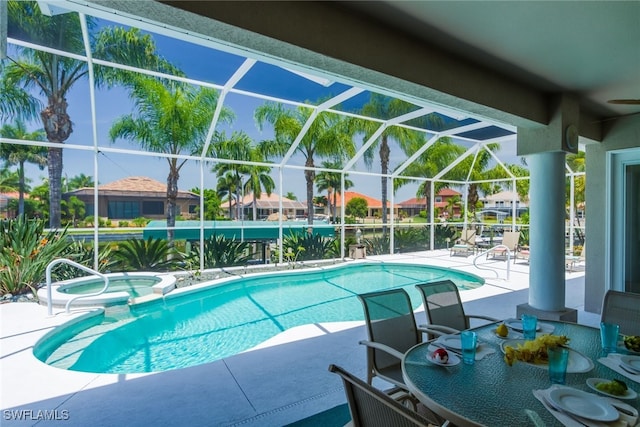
547,229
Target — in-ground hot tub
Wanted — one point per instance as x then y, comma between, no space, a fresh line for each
123,289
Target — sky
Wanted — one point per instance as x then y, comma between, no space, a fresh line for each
215,67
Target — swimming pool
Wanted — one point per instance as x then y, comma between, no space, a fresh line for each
194,326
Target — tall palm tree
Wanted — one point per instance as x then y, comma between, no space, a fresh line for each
258,180
172,118
329,136
16,102
237,147
475,171
79,181
18,155
227,186
331,182
53,76
386,108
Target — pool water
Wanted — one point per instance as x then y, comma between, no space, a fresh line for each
227,319
134,286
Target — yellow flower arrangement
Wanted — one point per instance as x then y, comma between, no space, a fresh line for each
534,351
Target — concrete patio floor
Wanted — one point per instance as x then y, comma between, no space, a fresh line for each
281,381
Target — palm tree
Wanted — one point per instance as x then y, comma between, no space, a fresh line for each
227,186
258,180
9,180
386,108
172,118
237,147
18,155
53,76
331,182
15,101
329,136
79,181
291,196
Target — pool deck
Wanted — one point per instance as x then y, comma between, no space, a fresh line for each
281,381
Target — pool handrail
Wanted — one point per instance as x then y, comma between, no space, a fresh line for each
79,266
491,269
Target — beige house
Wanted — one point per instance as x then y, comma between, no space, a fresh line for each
134,197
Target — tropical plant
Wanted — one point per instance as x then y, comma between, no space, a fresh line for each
409,239
147,255
331,182
73,209
16,102
79,181
83,253
9,180
291,196
328,136
15,154
237,147
172,118
220,252
227,186
211,203
258,179
53,76
378,245
308,246
25,251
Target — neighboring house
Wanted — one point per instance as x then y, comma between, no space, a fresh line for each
501,205
413,207
374,205
4,204
134,197
266,205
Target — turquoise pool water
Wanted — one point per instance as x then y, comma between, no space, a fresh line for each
200,327
134,286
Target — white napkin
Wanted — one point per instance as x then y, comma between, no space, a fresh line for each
482,350
613,361
569,420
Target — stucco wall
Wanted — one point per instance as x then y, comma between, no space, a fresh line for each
622,134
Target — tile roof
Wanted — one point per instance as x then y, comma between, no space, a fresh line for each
134,184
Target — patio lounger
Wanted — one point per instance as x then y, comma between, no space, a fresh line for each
466,244
510,240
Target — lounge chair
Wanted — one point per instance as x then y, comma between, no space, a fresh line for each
392,330
444,309
510,240
369,407
466,244
623,309
521,253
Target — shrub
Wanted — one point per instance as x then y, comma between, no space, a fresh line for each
25,252
312,246
123,224
220,252
147,255
83,253
140,221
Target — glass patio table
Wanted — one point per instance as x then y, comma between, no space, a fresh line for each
492,393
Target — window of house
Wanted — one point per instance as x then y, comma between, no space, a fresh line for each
123,209
193,209
438,198
152,208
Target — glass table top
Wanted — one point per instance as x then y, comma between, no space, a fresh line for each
492,393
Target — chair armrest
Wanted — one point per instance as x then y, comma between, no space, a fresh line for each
382,347
438,330
478,316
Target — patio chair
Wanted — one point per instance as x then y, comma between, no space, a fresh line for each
510,240
571,260
466,243
392,330
371,408
623,309
444,309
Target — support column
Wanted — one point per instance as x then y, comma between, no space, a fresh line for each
545,148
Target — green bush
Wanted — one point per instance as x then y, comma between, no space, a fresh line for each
140,221
25,252
311,246
83,253
123,224
220,252
147,255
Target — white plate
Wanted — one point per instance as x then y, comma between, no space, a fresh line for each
583,404
453,360
577,363
631,362
453,342
593,382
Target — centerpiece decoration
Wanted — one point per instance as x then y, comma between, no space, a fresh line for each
534,351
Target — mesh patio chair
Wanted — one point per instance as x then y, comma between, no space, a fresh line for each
369,407
392,330
623,309
444,309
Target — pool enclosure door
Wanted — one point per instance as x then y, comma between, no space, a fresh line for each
624,212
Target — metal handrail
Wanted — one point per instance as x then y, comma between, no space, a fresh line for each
79,266
491,269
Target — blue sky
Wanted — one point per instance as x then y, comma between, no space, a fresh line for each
215,67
